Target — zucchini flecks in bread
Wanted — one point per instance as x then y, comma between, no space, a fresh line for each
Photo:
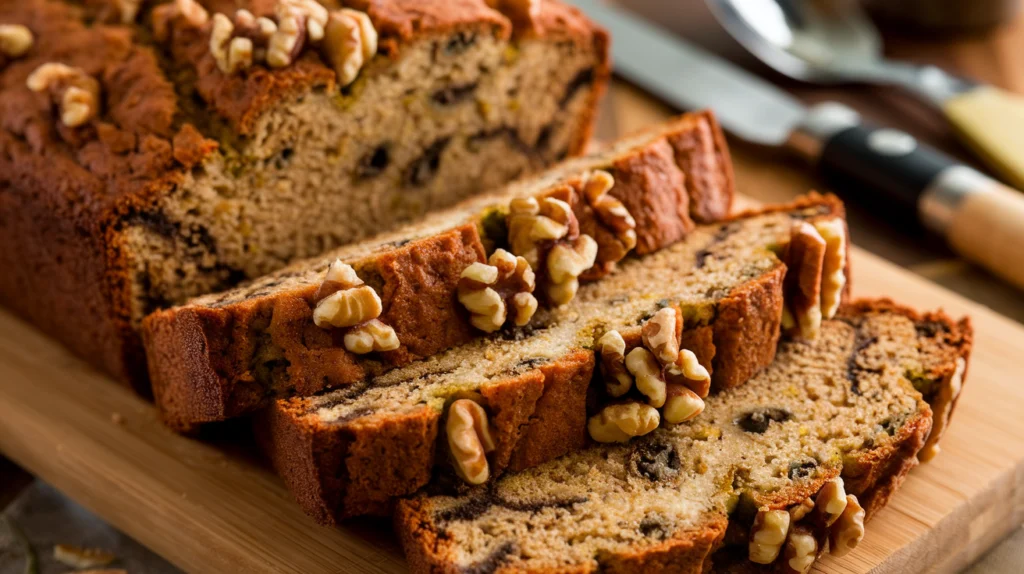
533,383
200,353
665,499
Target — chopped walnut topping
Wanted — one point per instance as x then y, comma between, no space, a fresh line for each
687,371
373,335
611,212
350,41
127,10
830,502
767,535
520,12
804,256
681,404
611,349
659,335
188,13
531,222
621,422
316,16
470,438
833,272
847,532
76,93
78,557
343,300
566,262
15,41
644,367
287,41
800,551
487,291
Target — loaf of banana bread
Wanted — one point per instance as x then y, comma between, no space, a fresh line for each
704,312
154,151
771,473
226,354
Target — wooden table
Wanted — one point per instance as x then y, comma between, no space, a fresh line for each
990,56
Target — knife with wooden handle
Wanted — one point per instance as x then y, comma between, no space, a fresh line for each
982,219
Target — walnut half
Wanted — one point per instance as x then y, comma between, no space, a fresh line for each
611,213
804,257
76,93
767,535
848,530
15,41
469,440
350,42
621,422
488,290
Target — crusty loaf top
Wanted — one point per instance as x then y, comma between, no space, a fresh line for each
165,108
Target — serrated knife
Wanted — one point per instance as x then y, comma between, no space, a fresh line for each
982,219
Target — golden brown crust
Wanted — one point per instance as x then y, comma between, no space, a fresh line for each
746,330
358,466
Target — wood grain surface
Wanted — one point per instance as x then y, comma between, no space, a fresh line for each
212,509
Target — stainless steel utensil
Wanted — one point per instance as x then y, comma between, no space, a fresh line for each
834,42
981,218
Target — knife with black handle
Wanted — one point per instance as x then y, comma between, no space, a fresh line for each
982,219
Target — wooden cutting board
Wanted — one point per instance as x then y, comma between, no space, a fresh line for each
212,509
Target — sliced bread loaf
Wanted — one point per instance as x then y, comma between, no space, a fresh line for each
773,471
154,151
226,354
520,398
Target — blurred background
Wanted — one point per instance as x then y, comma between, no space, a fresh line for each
982,40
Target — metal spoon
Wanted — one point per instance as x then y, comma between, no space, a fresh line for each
834,42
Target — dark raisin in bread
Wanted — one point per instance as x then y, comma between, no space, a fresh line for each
154,151
223,355
351,450
770,474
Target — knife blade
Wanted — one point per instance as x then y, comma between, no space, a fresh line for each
885,168
691,78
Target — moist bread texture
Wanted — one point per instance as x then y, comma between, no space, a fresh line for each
690,498
226,354
184,179
352,450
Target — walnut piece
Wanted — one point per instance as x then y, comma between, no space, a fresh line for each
350,41
687,371
621,422
487,290
659,335
830,503
520,12
77,557
315,14
127,10
798,512
345,301
645,369
531,221
469,440
15,40
373,335
804,257
611,348
566,262
188,13
767,535
681,404
848,530
76,93
610,212
833,272
800,552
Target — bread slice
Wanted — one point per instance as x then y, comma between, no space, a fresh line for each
186,177
223,355
350,451
837,414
